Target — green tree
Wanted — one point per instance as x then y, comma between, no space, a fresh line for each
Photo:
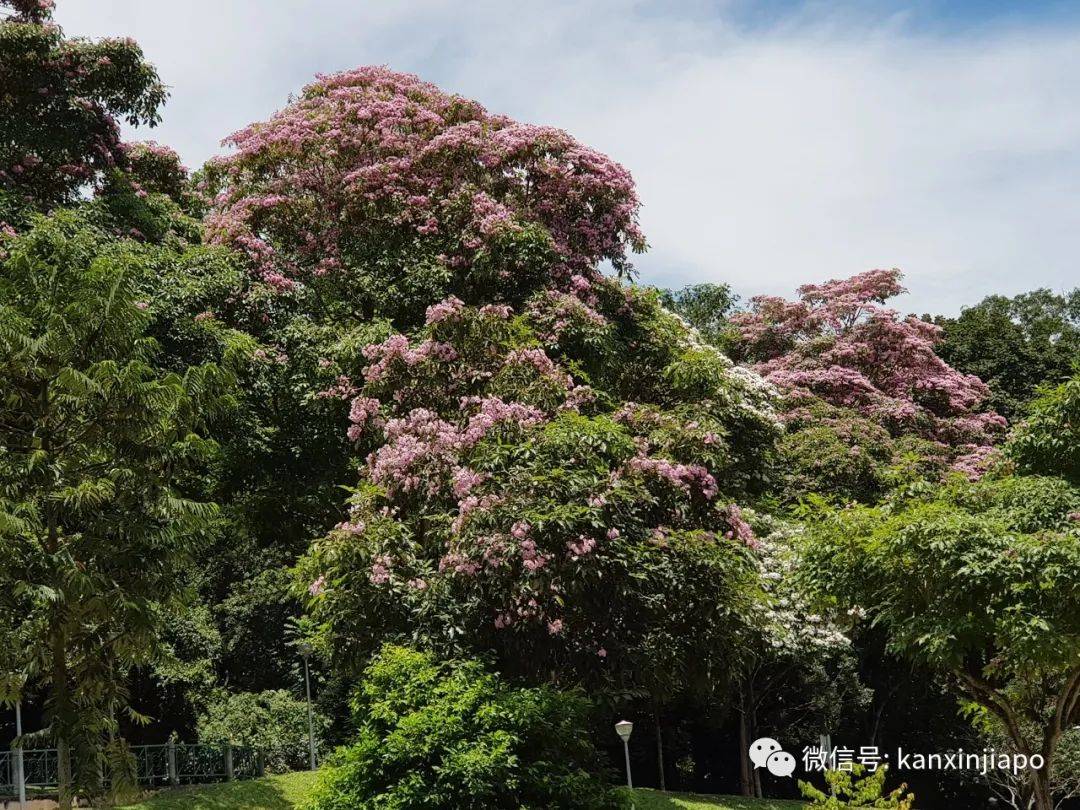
1048,442
274,722
1015,344
100,473
706,307
979,582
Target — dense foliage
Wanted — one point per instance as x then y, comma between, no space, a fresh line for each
1015,344
851,788
274,722
706,307
451,734
997,567
99,462
1048,441
443,416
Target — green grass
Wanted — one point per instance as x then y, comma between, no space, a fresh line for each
652,800
281,792
287,791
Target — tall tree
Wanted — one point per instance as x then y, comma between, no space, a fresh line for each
367,199
507,506
840,345
1015,344
706,307
980,582
100,465
385,194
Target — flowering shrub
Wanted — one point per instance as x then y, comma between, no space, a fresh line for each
379,176
840,344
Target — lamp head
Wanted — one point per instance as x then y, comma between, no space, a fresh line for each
623,728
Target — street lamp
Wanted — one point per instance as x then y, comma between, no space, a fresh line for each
623,728
19,774
306,650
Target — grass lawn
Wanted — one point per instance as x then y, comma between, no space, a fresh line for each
653,800
286,791
280,792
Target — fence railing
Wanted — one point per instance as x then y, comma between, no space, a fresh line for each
155,765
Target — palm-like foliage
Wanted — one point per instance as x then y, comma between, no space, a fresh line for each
100,453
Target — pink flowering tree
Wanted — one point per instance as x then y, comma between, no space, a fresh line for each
842,357
506,503
387,194
61,106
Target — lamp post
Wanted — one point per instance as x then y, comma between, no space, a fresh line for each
623,728
19,775
306,650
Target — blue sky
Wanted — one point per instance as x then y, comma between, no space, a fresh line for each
773,143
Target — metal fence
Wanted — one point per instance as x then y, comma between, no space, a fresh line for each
155,765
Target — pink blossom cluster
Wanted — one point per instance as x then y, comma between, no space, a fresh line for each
380,570
36,11
687,477
582,546
544,365
532,559
448,308
465,481
458,563
363,411
396,348
579,396
739,530
469,505
501,311
420,447
974,461
370,151
492,411
556,313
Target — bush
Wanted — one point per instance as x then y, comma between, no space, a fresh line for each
452,735
274,722
852,789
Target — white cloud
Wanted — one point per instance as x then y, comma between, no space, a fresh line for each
765,157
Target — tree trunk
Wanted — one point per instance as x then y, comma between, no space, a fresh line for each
659,749
61,714
1040,797
746,776
751,722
